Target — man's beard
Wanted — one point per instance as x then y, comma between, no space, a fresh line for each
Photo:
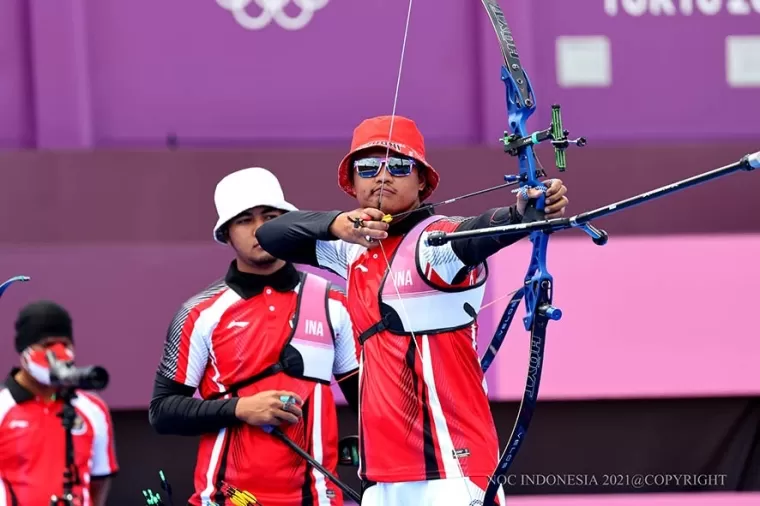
394,207
261,262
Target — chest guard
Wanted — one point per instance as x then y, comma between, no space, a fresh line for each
309,352
410,303
312,343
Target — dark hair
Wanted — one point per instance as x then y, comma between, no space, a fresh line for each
223,233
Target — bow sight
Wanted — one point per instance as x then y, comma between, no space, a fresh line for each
556,133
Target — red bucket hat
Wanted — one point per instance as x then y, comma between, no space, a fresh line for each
406,140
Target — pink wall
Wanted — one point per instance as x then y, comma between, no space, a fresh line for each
643,317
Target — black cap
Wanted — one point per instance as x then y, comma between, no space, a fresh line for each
39,320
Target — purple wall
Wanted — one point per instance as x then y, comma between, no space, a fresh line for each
107,197
16,96
79,74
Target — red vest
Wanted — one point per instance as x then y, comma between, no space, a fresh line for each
424,411
273,341
309,351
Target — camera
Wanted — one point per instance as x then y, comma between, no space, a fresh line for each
66,375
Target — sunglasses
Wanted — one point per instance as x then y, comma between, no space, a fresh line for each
371,166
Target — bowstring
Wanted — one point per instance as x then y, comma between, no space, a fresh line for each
395,102
497,299
379,206
384,169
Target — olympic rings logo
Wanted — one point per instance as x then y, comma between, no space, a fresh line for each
272,10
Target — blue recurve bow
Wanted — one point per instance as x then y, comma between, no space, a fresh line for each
9,282
538,283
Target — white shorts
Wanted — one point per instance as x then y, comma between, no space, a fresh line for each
448,492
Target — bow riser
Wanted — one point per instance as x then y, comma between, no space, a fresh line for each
518,96
539,284
521,105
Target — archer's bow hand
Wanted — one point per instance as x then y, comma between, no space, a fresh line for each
555,203
362,226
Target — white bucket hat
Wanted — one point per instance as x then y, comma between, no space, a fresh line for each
243,190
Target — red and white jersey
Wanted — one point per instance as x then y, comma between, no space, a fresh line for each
219,339
32,445
424,411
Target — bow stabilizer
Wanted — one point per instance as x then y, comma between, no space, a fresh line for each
747,163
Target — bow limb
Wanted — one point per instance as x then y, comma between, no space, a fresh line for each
502,328
9,282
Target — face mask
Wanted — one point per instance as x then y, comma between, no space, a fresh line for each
35,362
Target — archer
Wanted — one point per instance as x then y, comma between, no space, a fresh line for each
260,347
426,431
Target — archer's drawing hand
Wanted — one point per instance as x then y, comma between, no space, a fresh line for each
370,227
555,203
266,408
